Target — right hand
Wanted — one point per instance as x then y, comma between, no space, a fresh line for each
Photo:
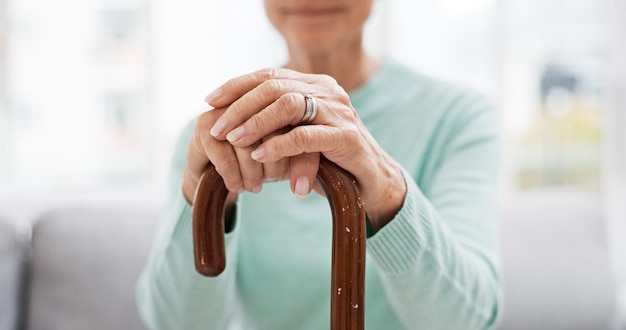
238,170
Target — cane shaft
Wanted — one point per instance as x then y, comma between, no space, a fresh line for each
348,249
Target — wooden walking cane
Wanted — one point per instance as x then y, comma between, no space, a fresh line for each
348,250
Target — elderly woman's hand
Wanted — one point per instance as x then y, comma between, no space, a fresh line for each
234,164
263,114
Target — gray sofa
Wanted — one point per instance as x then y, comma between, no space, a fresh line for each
78,268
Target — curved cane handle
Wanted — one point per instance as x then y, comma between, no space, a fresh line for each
348,250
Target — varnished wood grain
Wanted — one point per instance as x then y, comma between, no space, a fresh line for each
348,250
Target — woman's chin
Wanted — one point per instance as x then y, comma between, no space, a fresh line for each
316,43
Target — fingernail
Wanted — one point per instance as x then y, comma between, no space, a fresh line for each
258,153
257,189
213,96
218,127
302,187
271,179
235,134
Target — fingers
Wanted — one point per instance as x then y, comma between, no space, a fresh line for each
337,143
303,145
251,171
229,162
237,87
224,159
201,143
254,108
269,99
303,169
278,170
287,111
238,170
226,162
236,166
283,104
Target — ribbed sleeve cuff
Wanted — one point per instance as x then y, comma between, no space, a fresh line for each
399,245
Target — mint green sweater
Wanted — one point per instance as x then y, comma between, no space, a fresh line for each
434,266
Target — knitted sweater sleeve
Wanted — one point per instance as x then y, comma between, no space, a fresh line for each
438,257
170,293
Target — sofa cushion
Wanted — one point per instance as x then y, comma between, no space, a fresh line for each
9,277
85,264
556,265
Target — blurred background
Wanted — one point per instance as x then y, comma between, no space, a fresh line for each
93,93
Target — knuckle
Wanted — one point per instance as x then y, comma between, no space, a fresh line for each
252,182
252,176
201,138
309,161
328,79
206,120
258,123
286,104
346,111
269,88
233,186
232,182
273,171
236,109
226,167
292,99
233,82
270,85
351,136
267,73
300,138
196,146
342,96
229,84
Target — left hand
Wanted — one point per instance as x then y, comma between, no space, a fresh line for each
266,101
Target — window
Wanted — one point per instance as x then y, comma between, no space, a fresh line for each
554,64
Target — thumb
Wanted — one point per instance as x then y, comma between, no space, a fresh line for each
302,171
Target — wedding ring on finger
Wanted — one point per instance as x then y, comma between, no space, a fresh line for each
310,110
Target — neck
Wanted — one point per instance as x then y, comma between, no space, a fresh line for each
350,65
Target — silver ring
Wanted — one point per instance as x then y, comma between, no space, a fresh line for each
310,111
